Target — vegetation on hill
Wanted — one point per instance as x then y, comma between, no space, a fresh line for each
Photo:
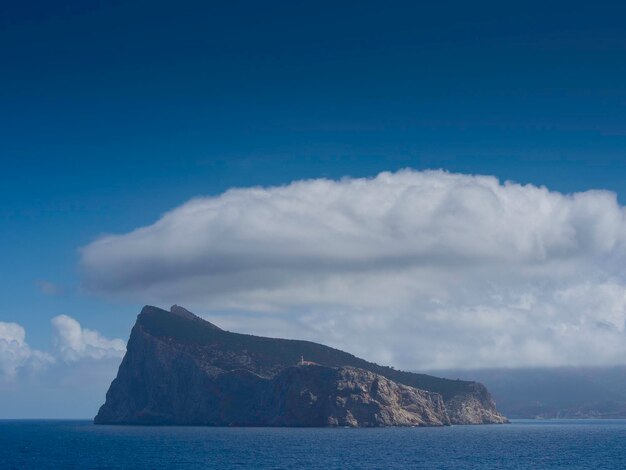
286,352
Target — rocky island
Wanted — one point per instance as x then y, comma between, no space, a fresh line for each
182,370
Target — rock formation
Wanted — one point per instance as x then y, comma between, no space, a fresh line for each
180,369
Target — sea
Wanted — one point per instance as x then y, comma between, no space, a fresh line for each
523,444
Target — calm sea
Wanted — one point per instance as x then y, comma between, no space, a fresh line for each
522,444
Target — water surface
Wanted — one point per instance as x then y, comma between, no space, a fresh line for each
571,444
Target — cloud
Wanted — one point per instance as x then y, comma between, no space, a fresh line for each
50,288
15,353
70,380
72,344
419,269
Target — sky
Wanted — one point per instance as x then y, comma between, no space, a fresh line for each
427,186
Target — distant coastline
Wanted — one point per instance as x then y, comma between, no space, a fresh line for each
554,392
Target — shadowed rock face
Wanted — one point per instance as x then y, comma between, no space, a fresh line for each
315,395
180,369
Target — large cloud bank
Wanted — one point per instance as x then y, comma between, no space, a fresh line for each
417,269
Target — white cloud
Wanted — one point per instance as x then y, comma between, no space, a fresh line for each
73,342
420,269
15,353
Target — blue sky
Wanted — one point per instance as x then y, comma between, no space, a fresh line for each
116,112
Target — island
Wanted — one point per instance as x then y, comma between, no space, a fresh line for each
180,369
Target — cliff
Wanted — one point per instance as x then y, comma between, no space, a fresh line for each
589,392
180,369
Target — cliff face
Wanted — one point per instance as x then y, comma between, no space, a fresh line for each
476,406
592,392
180,369
346,396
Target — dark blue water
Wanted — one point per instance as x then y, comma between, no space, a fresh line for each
522,444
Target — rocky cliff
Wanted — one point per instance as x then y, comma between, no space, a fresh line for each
591,392
180,369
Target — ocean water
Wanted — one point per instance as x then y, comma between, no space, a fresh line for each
585,444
